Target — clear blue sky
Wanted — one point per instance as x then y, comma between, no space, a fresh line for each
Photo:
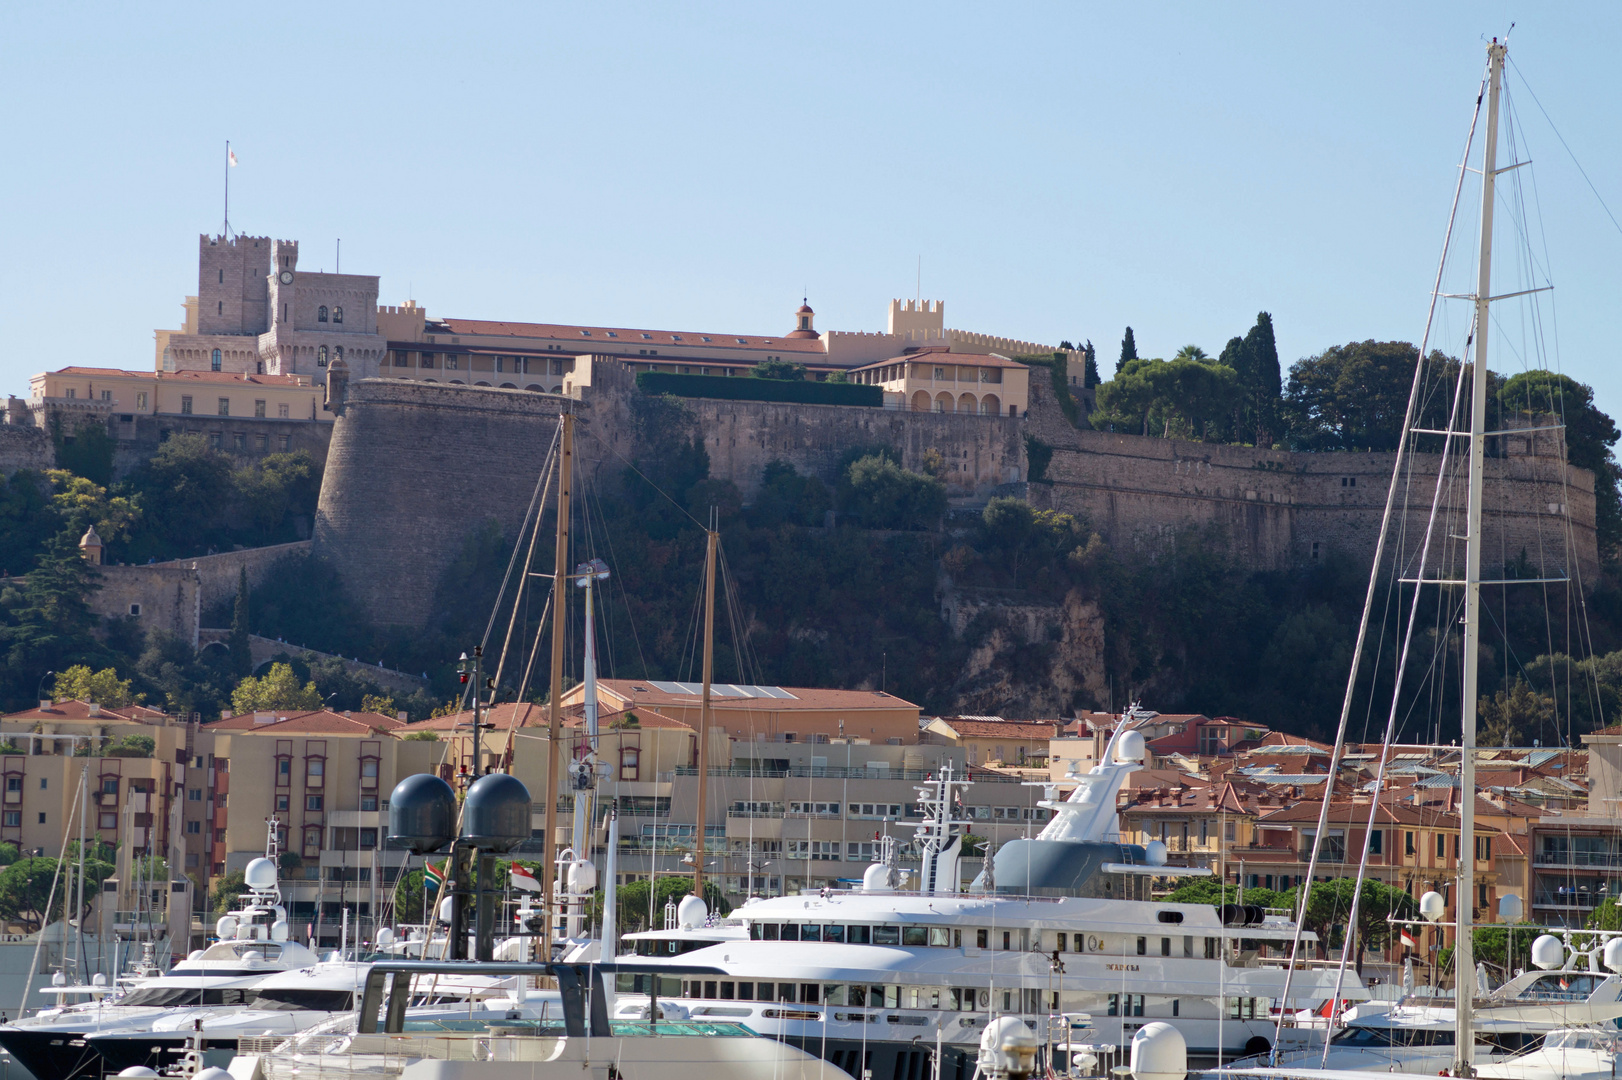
1062,170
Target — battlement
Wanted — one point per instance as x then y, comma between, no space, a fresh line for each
285,255
245,242
404,322
917,316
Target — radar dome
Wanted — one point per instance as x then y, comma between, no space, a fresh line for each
691,912
260,874
385,936
1547,952
1008,1048
213,1074
1509,908
1432,906
278,930
495,815
226,927
137,1072
444,910
1159,1052
1613,954
422,814
1155,853
1131,747
582,877
876,878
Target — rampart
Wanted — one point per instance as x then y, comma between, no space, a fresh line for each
23,446
415,468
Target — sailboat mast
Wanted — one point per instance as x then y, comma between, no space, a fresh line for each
1464,961
704,713
560,603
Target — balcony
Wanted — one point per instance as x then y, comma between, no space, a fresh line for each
1579,899
1557,857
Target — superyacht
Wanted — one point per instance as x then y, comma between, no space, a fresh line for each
897,983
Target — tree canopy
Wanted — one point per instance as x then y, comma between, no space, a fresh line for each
278,688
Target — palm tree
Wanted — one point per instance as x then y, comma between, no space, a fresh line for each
1191,352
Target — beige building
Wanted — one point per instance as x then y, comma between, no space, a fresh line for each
326,776
938,380
991,740
237,400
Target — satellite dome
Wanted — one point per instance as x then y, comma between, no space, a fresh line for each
260,874
691,912
422,814
137,1072
1547,952
1131,747
495,814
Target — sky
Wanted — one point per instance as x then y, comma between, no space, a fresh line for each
1048,171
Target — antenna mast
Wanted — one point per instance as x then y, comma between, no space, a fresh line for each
704,711
560,603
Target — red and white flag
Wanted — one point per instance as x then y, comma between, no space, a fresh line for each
232,155
1408,940
523,878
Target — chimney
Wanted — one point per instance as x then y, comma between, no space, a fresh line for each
95,709
46,703
400,716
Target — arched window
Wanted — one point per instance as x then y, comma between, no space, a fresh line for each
214,361
337,314
321,313
321,356
338,352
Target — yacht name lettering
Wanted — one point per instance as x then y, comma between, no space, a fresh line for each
1121,967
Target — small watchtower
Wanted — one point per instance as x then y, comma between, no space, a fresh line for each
90,546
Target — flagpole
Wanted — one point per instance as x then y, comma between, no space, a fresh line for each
228,189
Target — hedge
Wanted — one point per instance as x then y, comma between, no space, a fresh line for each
749,388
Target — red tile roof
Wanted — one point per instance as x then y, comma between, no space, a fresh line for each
322,721
1002,729
80,710
191,376
612,338
528,715
639,693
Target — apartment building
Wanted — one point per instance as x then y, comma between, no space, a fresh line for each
325,777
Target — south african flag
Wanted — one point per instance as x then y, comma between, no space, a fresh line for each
433,876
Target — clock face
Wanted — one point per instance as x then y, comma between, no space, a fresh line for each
287,277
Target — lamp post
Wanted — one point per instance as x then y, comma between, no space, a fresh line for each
39,692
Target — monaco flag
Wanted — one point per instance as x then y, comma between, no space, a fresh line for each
523,878
1408,941
232,154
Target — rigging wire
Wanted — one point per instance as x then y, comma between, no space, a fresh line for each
1583,172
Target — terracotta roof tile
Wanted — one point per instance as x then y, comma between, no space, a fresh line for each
321,720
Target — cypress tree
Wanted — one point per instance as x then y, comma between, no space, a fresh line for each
1129,350
1090,379
1264,384
241,653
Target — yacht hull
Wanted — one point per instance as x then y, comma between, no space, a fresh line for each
53,1055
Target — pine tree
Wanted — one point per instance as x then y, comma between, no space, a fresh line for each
1090,379
241,653
1129,350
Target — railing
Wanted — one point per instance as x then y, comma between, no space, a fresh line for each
1577,899
1578,858
835,772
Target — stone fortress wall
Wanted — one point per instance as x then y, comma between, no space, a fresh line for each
415,468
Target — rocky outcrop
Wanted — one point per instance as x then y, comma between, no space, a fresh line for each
1026,657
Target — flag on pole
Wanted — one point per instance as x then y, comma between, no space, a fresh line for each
232,155
1408,940
524,878
433,876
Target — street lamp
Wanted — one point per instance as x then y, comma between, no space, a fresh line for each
39,692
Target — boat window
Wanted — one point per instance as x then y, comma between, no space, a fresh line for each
914,935
175,997
941,936
768,931
856,995
810,932
833,933
291,999
887,935
857,935
833,994
791,931
1558,986
764,991
785,992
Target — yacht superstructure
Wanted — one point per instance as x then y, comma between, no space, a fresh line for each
874,977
